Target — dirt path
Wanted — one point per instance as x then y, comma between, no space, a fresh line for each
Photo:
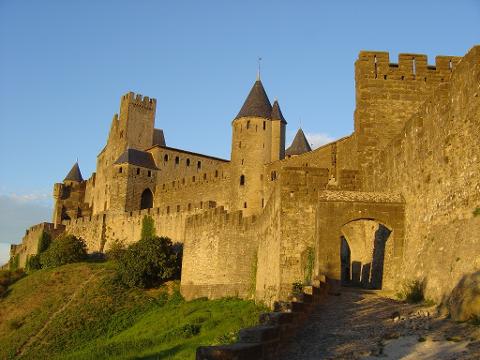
34,337
363,325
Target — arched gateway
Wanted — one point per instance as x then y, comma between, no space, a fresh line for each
359,238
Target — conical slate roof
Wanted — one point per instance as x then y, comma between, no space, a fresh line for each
138,158
257,103
74,174
299,145
277,113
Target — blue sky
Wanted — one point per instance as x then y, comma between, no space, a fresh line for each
65,64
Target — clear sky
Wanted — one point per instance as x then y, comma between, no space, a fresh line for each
65,64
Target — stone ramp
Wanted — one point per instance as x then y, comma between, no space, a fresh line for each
361,324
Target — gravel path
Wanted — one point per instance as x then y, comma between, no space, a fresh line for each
360,324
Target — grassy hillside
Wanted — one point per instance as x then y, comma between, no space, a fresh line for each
79,311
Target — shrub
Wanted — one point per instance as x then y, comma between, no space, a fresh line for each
148,262
33,263
148,228
7,278
14,263
476,212
116,250
63,250
297,288
413,292
44,242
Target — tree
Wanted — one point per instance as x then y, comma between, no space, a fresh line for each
64,250
148,228
148,262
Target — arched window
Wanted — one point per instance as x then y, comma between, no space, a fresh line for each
165,158
199,165
120,170
177,160
138,171
242,180
248,124
146,201
216,173
188,162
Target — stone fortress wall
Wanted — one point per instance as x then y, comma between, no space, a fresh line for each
252,225
434,162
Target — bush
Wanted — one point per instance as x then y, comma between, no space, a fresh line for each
148,262
14,263
33,263
44,242
63,250
297,288
116,250
413,292
148,228
7,278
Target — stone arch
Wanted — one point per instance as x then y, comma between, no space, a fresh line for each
337,209
146,200
363,244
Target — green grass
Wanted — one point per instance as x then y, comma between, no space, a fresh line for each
109,321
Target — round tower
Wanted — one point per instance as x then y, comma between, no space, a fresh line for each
251,149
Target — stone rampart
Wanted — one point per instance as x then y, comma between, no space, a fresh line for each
29,244
219,255
387,95
100,231
434,163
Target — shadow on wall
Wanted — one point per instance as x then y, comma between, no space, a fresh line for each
360,265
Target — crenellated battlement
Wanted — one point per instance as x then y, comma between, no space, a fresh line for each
220,216
139,100
377,65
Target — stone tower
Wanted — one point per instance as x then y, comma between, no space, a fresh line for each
69,197
257,139
133,128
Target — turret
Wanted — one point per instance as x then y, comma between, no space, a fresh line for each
69,197
278,132
251,149
299,145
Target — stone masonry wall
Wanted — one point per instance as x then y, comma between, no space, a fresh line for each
219,257
387,95
29,244
101,230
434,163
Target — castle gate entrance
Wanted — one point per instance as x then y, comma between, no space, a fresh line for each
359,238
146,201
363,246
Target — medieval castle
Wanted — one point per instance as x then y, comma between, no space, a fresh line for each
395,200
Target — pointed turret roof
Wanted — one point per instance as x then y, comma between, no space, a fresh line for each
257,103
74,174
299,145
277,113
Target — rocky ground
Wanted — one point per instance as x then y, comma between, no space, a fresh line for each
359,324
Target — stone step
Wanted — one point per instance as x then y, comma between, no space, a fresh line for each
278,318
237,351
258,334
